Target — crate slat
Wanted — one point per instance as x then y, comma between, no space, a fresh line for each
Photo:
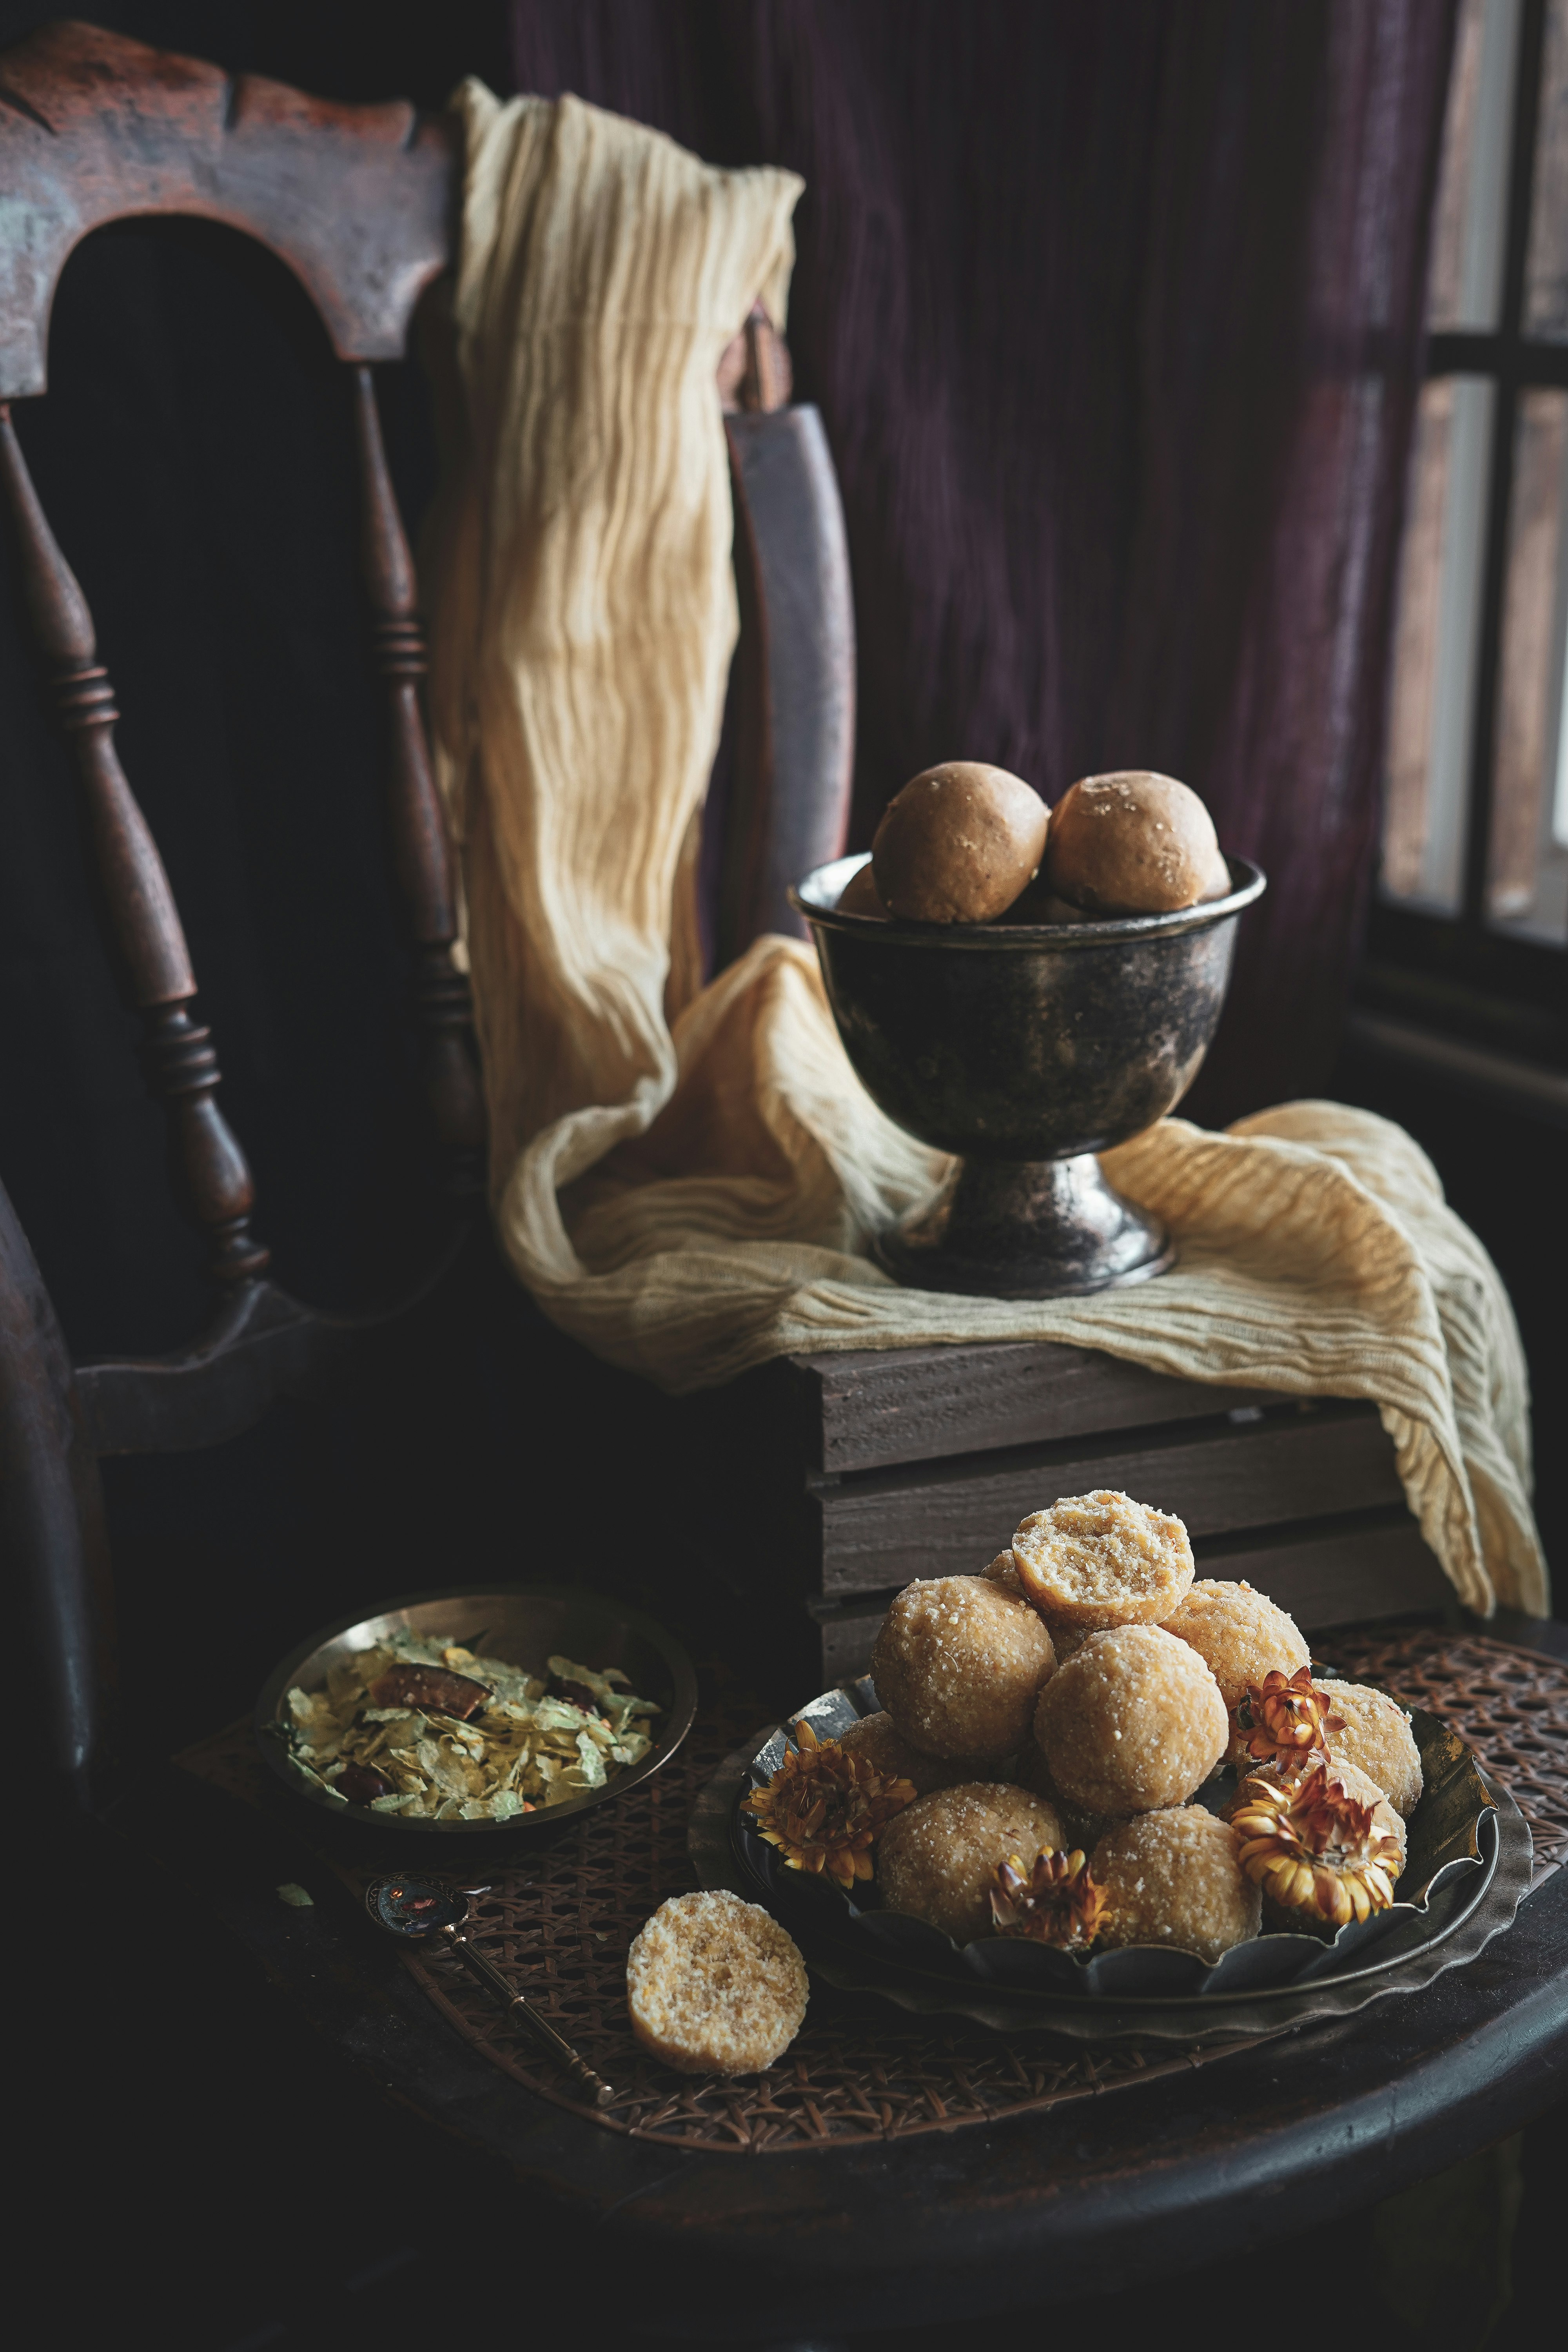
948,1520
874,1407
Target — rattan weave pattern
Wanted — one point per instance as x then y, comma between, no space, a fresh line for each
858,2070
861,2070
1510,1704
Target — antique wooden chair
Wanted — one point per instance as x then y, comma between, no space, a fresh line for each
874,1468
359,203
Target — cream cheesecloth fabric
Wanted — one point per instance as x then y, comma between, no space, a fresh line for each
684,1181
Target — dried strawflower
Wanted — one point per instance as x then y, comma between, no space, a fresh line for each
1313,1848
1285,1715
824,1807
1059,1902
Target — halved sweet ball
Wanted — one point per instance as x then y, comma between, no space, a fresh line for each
1375,1734
958,1665
958,843
1133,1723
1102,1560
858,896
1134,842
936,1859
1240,1636
715,1985
1175,1878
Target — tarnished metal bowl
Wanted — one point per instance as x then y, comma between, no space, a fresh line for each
1025,1049
526,1625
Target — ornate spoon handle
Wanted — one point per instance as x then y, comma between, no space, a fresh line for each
491,1976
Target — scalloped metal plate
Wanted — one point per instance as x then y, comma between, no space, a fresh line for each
1460,1834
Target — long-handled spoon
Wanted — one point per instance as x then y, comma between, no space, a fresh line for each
417,1909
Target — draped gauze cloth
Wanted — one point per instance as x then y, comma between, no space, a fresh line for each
686,1182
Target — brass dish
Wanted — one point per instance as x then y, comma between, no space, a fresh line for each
525,1625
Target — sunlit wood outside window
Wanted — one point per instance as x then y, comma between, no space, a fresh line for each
1475,812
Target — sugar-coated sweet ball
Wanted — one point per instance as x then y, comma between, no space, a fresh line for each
1065,1638
958,1665
937,1858
1173,1878
858,896
958,843
1103,1559
1293,1771
1134,842
877,1738
1240,1636
1365,1790
1004,1570
1068,1640
715,1985
1079,1827
1376,1737
1135,1722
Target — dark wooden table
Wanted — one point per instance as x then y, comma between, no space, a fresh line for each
1147,2181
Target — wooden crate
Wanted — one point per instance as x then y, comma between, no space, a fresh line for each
852,1474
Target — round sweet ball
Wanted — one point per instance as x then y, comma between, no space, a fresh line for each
1079,1828
1133,1723
1066,1640
958,843
877,1738
1365,1790
937,1858
958,1665
1004,1570
715,1985
1037,903
1240,1636
1134,842
1173,1878
858,896
1287,1772
1375,1736
1103,1559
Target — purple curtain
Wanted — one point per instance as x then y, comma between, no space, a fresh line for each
1114,317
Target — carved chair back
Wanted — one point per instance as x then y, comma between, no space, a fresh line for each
360,202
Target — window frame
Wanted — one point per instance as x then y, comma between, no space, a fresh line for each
1414,953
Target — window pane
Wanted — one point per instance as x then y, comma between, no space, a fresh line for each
1546,277
1468,232
1426,783
1528,892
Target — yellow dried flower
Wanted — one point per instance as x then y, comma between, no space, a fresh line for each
824,1808
1313,1848
1285,1715
1059,1902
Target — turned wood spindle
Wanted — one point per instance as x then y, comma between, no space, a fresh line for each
181,1063
421,853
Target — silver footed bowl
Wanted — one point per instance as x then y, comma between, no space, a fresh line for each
1025,1049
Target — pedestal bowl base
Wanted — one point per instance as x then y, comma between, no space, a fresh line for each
1025,1229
